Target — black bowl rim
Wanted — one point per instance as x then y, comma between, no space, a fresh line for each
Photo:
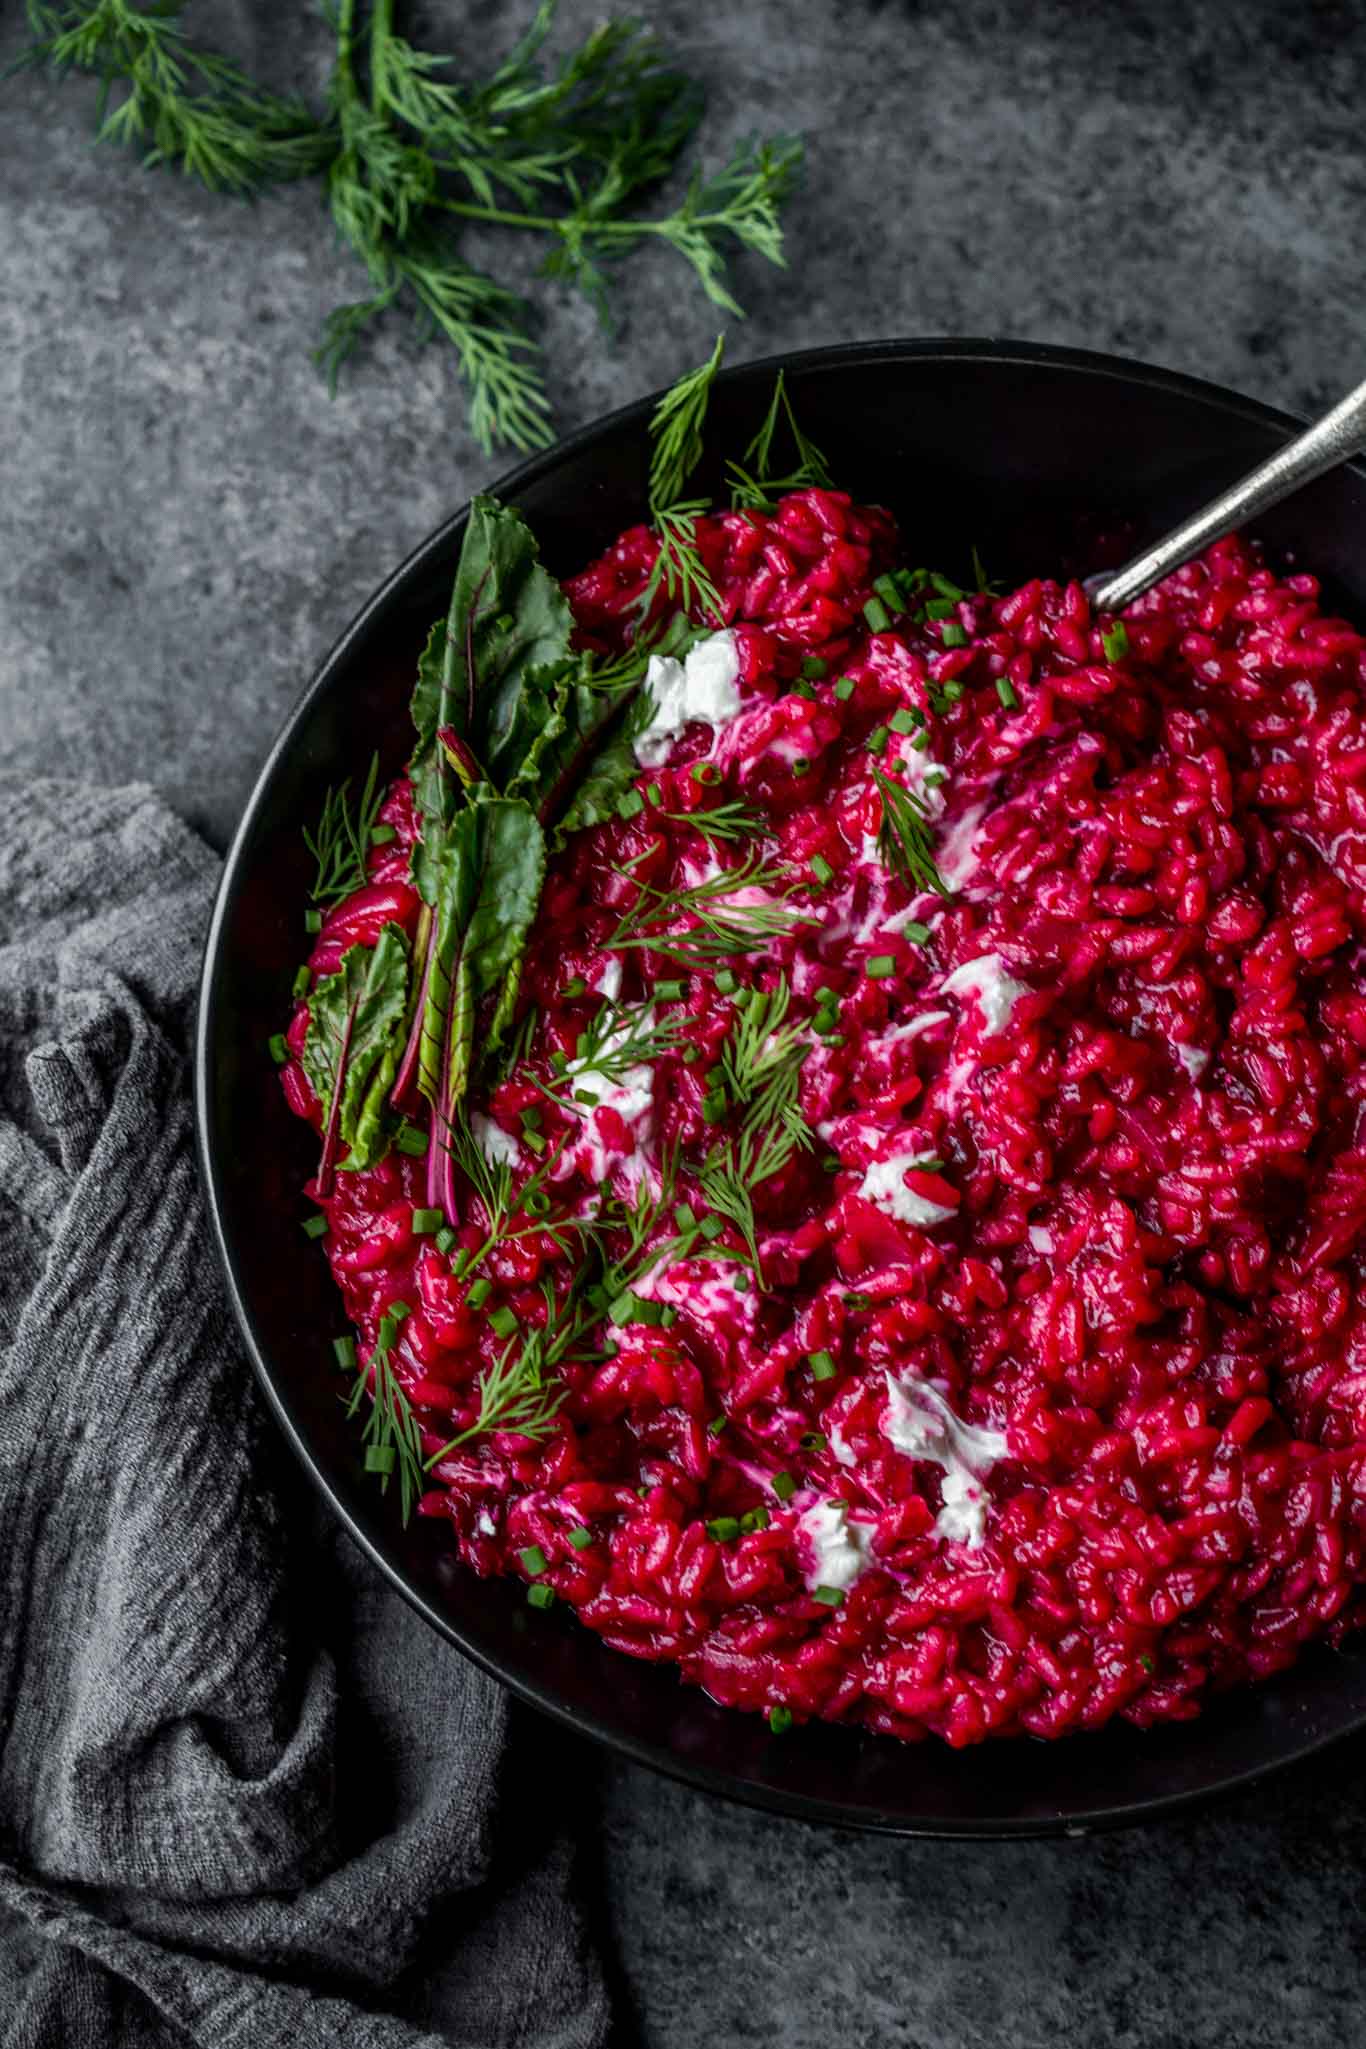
794,1804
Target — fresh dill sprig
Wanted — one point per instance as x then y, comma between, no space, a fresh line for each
341,843
412,154
720,925
724,823
676,449
906,838
762,1059
733,1170
676,429
180,105
514,1394
392,1437
621,1036
678,566
753,483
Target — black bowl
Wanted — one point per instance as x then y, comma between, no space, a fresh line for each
1041,458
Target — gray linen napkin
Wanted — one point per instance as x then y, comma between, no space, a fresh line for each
246,1797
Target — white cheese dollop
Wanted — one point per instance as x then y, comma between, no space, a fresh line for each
840,1549
702,686
956,855
499,1147
884,1182
1194,1059
920,1423
996,991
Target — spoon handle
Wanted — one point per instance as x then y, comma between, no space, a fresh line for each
1340,433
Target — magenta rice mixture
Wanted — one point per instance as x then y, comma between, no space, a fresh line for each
1021,1382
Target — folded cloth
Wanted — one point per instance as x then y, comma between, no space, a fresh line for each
246,1796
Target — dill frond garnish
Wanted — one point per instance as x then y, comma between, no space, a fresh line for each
341,843
906,839
411,154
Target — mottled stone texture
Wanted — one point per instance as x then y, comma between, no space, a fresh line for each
186,522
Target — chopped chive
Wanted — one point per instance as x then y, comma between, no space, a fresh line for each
712,1227
821,869
427,1222
279,1050
916,933
314,1227
935,778
480,1291
533,1561
921,744
531,1118
705,772
953,691
716,1425
1115,640
381,835
398,1309
724,1528
945,586
655,794
833,1038
815,665
800,764
754,1519
784,1486
460,1265
302,981
670,992
387,1332
801,689
881,966
741,1284
845,689
829,1597
1005,690
889,591
954,635
503,1320
727,981
629,804
780,1720
345,1350
313,921
589,1096
445,1238
814,1440
559,1063
832,1161
713,1106
822,1365
574,988
540,1597
536,1202
535,1139
409,1139
668,1315
875,612
685,1216
939,608
902,721
876,740
380,1458
581,1539
689,1054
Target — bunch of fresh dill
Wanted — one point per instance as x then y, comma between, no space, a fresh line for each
409,152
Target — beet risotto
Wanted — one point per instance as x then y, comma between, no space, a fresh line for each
839,1100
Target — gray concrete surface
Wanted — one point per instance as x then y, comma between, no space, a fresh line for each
186,523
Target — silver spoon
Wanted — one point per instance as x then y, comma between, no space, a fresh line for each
1340,433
